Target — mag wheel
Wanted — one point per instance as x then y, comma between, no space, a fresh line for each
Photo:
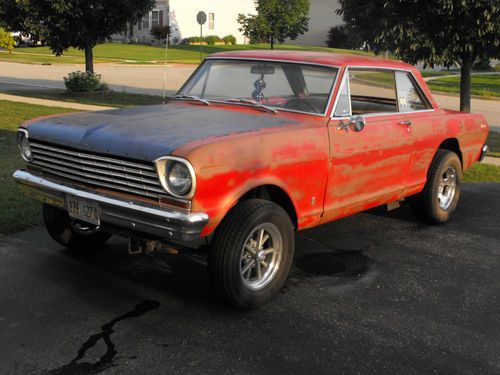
71,234
439,199
252,253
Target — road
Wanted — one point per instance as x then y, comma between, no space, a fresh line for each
376,293
149,79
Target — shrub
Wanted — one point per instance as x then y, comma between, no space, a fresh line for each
84,82
6,40
343,36
160,32
229,39
212,39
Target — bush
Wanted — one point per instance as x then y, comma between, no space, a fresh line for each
212,39
160,32
84,82
343,36
229,39
6,40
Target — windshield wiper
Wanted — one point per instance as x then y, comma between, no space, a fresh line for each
191,97
253,103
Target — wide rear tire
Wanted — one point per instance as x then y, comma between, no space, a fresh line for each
251,253
439,199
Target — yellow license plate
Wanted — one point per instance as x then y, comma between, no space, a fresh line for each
83,209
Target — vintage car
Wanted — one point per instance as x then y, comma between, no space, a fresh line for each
255,146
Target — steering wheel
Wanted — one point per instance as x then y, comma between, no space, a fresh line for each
297,103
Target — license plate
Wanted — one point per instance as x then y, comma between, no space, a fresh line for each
83,209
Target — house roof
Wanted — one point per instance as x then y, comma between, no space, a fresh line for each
323,58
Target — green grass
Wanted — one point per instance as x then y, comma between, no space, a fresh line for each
17,212
482,173
441,73
114,99
485,85
493,143
140,54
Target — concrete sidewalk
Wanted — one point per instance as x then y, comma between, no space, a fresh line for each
52,103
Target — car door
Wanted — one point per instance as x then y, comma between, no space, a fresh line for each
367,167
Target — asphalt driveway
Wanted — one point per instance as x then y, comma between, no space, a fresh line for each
375,293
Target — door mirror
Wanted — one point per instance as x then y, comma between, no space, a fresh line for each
357,122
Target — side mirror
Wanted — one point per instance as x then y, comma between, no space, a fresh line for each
357,122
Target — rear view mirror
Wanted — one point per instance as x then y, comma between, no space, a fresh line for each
262,69
357,122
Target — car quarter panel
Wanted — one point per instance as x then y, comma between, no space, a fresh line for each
293,158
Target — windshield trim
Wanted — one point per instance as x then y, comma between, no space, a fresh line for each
330,96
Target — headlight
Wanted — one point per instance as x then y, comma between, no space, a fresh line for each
23,144
176,176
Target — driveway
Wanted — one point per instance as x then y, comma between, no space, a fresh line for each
149,79
376,293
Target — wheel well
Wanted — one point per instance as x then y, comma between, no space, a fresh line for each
274,194
451,144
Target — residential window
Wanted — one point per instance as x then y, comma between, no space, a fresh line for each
145,22
211,21
155,18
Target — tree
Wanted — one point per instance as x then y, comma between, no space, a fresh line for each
160,32
6,40
276,20
81,24
436,32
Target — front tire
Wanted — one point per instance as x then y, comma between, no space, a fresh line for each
439,199
251,253
76,236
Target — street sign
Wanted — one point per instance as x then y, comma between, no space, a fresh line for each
201,18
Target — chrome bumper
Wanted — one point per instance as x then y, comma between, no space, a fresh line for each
483,152
132,216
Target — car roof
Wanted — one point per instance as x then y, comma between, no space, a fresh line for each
313,57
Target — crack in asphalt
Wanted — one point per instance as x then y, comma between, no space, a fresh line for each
107,359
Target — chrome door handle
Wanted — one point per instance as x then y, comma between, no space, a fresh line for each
405,123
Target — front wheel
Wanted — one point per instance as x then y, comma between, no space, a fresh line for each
252,253
70,234
439,199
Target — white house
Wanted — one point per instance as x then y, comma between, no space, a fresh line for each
222,15
180,15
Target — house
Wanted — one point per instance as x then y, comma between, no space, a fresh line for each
180,15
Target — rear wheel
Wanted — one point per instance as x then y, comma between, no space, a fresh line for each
72,234
439,199
252,253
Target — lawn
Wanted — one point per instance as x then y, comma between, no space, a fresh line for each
113,99
493,143
482,173
135,53
17,212
486,85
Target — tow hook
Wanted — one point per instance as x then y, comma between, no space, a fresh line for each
138,245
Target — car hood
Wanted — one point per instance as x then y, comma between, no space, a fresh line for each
147,132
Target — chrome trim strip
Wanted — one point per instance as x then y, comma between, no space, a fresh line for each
93,157
354,67
332,89
161,175
183,225
26,134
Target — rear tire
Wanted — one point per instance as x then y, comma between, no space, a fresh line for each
65,232
251,253
439,199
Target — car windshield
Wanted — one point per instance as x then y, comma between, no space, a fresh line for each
278,85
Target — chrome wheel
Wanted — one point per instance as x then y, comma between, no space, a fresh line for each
261,256
447,188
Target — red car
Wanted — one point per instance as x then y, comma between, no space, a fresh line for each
255,146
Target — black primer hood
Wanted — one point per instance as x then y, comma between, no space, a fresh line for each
147,132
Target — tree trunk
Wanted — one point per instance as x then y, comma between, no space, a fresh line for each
465,84
272,41
89,59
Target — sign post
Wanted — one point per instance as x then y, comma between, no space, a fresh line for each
201,18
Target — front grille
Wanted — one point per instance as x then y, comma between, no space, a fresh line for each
99,171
